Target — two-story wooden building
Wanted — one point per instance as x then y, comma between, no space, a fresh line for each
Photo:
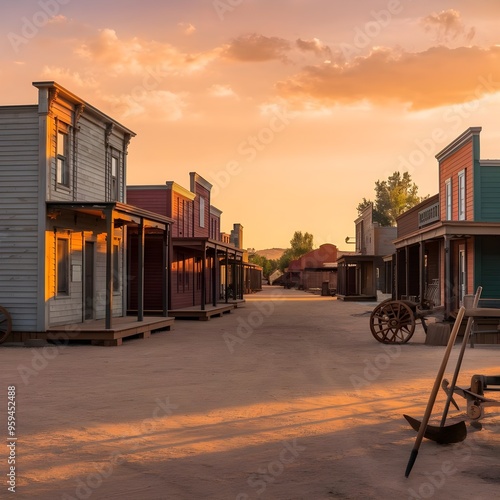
362,274
64,220
450,244
205,270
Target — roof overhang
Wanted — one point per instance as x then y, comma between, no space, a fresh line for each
128,214
204,243
451,229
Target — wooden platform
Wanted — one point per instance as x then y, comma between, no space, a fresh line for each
96,332
195,312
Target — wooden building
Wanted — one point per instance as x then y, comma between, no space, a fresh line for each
64,218
449,244
314,270
205,270
362,274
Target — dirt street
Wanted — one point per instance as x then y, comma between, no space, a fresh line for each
288,397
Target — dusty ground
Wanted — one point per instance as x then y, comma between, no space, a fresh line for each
289,397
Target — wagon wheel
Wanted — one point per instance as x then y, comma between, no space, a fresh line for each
392,322
5,324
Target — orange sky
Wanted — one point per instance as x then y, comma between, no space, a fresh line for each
292,109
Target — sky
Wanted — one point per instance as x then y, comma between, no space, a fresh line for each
291,109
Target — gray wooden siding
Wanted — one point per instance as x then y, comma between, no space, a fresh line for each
18,214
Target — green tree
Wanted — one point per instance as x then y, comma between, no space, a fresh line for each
393,196
300,244
268,265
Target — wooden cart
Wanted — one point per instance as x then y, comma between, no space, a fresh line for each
393,321
5,324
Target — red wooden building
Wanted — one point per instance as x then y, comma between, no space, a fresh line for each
204,269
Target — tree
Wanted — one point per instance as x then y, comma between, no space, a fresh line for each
268,265
393,196
300,244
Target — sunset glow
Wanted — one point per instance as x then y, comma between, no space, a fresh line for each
291,109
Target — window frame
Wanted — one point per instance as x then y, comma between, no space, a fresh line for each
62,267
202,211
462,195
115,176
448,195
62,159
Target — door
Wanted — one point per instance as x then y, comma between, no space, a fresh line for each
89,280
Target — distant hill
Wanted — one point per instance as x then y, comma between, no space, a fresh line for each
271,253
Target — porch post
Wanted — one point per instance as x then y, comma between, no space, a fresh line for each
140,271
166,267
242,278
407,271
215,272
226,271
203,278
447,277
421,285
109,266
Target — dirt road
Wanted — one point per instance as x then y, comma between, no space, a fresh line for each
289,397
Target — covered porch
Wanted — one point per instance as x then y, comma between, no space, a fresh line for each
104,325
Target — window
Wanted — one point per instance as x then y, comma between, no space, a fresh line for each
62,168
114,178
62,259
461,195
202,212
448,199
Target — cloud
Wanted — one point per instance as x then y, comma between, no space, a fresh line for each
315,45
158,104
447,26
187,28
218,90
68,78
438,76
257,48
134,55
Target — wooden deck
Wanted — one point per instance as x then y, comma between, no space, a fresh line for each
96,332
195,312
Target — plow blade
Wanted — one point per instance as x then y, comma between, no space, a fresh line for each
448,434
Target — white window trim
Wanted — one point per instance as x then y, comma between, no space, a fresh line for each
448,199
462,195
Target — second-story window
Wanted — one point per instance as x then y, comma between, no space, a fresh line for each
461,195
202,212
62,163
448,199
115,178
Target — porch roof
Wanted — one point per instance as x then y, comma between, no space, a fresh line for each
122,212
452,229
201,243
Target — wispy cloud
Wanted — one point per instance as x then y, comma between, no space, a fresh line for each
315,45
160,105
218,90
447,26
134,55
256,48
426,79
